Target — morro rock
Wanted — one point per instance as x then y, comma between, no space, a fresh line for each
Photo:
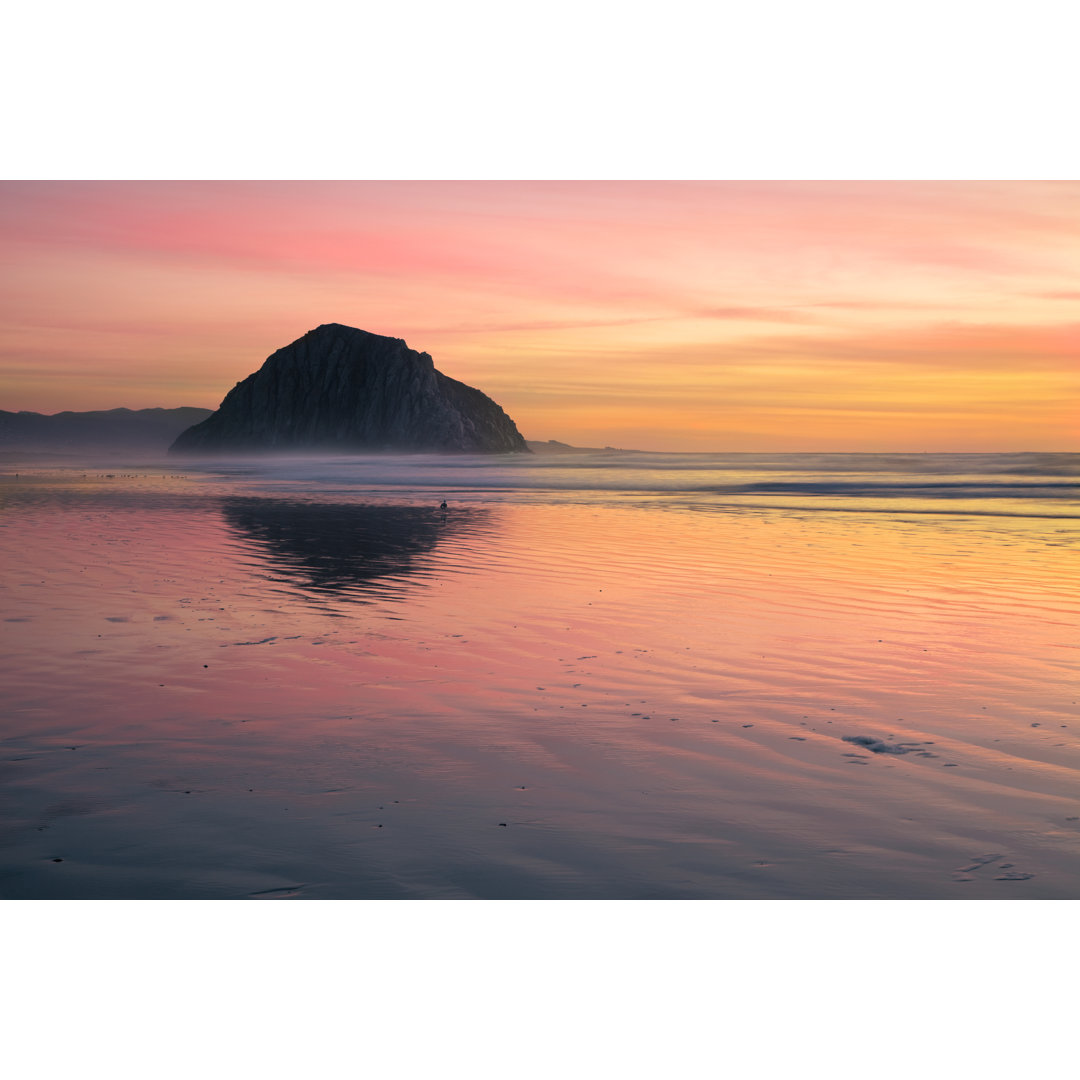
344,390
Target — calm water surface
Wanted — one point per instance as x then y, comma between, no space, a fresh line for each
594,676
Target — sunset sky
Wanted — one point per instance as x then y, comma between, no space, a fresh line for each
655,315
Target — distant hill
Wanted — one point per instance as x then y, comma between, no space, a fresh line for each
553,446
344,390
148,430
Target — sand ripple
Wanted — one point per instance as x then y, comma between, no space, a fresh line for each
219,690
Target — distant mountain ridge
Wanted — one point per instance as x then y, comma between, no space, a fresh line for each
341,389
122,429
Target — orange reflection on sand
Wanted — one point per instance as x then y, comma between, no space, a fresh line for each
625,696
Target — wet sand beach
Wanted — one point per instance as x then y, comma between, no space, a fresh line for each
596,676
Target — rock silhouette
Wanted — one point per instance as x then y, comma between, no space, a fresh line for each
345,390
122,429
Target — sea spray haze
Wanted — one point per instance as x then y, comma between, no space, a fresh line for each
593,675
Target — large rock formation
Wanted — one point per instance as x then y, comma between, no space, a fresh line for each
344,390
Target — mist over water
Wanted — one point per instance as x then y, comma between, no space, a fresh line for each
1025,484
595,674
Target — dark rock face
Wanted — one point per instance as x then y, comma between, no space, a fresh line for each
342,389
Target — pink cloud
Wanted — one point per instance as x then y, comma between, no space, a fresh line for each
179,288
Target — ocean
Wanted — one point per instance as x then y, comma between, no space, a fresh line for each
594,675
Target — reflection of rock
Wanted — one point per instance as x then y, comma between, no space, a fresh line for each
334,546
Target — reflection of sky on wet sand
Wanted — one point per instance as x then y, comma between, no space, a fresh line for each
665,695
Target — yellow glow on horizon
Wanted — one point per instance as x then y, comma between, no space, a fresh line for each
665,316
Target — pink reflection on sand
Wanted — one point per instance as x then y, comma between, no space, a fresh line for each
533,700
